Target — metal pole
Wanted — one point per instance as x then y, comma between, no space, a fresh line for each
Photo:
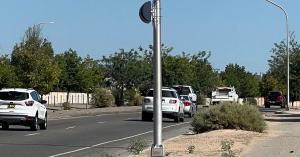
287,50
157,147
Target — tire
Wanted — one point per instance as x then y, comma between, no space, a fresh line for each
181,119
190,114
267,105
34,124
146,116
177,118
5,126
44,124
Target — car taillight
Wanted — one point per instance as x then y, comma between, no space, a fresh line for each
29,103
186,103
173,101
146,100
279,98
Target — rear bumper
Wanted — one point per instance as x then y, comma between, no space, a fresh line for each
221,100
165,114
16,119
276,103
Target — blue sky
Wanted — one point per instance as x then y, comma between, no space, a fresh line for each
235,31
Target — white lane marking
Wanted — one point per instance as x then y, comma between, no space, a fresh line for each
99,115
71,127
32,134
107,142
100,122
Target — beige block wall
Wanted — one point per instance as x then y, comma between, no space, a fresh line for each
54,98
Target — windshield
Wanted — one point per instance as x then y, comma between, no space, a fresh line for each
225,90
182,90
167,94
16,96
185,98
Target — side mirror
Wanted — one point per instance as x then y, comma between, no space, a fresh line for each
43,102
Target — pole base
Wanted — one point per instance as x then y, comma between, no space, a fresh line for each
157,151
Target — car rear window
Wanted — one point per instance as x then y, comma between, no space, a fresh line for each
15,96
273,95
165,93
182,90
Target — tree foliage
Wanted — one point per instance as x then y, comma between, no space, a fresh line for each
69,63
34,62
244,82
278,68
91,74
8,77
124,70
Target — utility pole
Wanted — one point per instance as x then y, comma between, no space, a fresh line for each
287,50
150,13
157,147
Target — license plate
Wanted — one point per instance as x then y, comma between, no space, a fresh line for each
11,106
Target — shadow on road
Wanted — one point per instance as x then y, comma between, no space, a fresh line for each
282,120
139,120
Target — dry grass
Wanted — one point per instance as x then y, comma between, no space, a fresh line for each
207,144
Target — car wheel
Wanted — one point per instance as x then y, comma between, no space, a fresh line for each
267,105
44,124
146,116
181,117
190,114
177,117
5,126
34,124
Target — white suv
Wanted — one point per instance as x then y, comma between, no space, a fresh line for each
20,106
186,90
172,106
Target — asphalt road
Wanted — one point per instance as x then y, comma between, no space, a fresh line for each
85,136
285,142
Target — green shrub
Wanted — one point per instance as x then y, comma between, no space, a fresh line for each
133,98
102,98
66,106
136,146
226,148
229,116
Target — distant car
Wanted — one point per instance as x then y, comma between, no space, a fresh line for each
186,90
172,106
189,106
275,98
224,94
20,106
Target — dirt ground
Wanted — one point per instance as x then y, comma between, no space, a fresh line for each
209,144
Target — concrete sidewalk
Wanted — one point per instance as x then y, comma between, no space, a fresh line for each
284,127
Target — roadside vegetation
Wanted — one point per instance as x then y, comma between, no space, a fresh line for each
229,116
128,73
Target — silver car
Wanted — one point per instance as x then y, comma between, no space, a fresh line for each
189,107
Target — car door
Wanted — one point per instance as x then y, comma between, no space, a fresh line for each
42,107
37,101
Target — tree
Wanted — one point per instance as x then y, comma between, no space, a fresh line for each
177,70
69,63
278,69
91,75
205,78
8,77
269,83
124,70
34,62
244,82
